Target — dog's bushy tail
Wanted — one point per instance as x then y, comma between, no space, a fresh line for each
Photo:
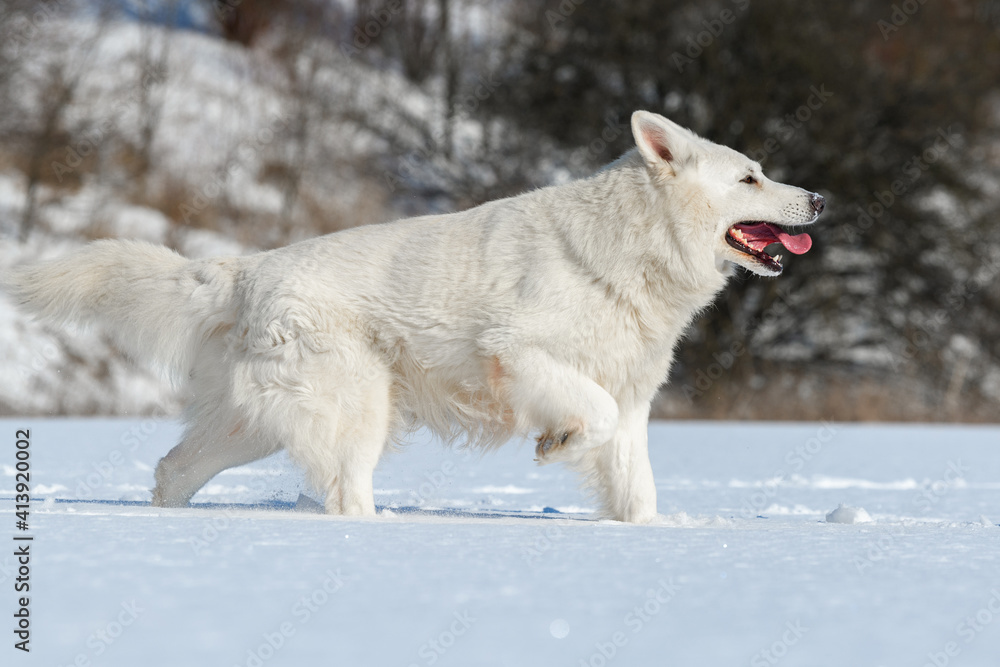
156,305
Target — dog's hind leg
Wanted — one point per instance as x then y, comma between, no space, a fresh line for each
358,442
217,435
208,448
331,411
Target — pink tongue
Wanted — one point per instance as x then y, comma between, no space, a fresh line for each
763,234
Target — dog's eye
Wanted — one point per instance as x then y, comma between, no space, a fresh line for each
749,180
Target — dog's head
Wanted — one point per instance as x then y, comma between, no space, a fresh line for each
721,199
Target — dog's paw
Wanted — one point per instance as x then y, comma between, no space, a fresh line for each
549,445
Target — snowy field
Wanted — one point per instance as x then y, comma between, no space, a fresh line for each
494,561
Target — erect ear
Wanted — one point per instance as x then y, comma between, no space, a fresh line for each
662,143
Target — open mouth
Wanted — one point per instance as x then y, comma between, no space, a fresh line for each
751,238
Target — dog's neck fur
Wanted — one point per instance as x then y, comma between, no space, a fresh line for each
645,265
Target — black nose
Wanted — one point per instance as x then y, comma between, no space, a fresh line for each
818,203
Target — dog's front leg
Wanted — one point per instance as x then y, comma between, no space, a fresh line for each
580,424
622,472
573,414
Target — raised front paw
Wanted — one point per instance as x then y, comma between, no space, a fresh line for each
549,445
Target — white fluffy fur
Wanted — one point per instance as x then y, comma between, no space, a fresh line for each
553,312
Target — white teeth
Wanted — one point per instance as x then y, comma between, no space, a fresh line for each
777,258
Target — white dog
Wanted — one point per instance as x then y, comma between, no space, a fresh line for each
554,313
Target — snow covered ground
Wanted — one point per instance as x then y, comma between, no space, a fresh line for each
493,561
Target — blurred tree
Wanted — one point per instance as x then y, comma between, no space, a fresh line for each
414,33
57,87
244,21
852,99
153,60
891,110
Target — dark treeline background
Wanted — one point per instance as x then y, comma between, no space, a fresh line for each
397,107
